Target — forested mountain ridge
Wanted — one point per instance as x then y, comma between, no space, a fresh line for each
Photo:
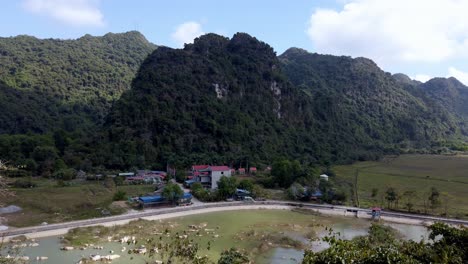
369,101
218,100
223,99
72,82
452,95
218,97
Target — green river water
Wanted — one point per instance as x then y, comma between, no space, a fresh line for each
230,226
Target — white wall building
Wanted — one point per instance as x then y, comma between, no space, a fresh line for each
324,177
213,176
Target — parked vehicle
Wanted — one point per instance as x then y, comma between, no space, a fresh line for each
248,199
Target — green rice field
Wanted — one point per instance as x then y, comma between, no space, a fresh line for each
412,173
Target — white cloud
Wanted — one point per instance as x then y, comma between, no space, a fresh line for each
459,75
187,32
421,77
72,12
393,31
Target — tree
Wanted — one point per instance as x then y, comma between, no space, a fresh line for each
446,201
4,191
172,192
201,193
448,245
285,172
326,188
196,186
109,183
391,196
227,187
409,197
281,173
45,157
119,180
65,174
433,198
61,141
120,195
180,175
296,191
246,184
233,256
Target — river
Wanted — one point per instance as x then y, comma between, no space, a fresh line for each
244,229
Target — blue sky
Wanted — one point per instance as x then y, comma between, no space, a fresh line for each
422,38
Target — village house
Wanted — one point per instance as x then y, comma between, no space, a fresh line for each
144,176
241,171
151,174
209,176
196,171
253,170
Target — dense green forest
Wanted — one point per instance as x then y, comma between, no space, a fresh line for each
50,84
67,104
221,100
356,99
217,100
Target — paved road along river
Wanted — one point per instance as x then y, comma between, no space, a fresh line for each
220,206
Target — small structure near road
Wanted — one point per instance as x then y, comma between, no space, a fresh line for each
241,194
316,195
127,174
376,212
253,170
324,177
155,200
189,183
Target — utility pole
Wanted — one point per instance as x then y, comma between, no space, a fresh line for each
356,195
247,166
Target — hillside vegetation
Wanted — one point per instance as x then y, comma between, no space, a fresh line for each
217,100
224,100
68,104
367,106
50,84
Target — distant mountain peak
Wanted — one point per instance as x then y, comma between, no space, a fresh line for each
450,82
239,43
206,43
405,79
294,51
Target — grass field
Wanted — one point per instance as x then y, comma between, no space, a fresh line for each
50,203
418,173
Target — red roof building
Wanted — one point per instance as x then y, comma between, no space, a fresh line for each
199,167
208,175
219,168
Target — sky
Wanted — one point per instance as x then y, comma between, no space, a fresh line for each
421,38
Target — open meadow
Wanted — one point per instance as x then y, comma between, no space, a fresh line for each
51,203
412,177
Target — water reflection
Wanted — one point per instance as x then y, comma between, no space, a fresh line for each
347,228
